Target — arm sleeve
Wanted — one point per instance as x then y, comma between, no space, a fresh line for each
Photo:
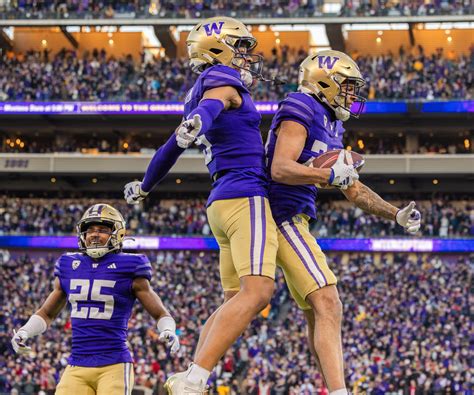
208,110
143,267
161,163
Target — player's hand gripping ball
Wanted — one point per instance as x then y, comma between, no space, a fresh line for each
345,166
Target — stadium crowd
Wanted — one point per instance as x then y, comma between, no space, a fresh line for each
405,328
240,8
95,144
40,76
336,218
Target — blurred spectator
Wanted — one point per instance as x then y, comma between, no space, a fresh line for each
97,77
374,143
441,217
405,327
406,8
235,8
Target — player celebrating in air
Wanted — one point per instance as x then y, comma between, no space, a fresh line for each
221,117
100,284
307,124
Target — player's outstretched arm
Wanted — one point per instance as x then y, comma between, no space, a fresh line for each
285,168
161,163
200,120
39,322
366,199
154,306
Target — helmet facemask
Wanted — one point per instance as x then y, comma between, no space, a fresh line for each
250,65
348,102
113,242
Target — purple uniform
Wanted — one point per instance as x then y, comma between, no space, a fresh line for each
233,146
324,133
99,294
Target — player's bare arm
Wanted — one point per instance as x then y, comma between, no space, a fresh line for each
149,298
154,306
53,304
366,199
39,322
285,168
228,95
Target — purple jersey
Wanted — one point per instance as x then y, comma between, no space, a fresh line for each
233,146
99,294
324,133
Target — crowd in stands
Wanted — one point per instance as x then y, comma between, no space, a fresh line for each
405,327
405,7
95,76
237,8
95,144
337,218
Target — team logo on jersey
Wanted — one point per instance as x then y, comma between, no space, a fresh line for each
327,62
95,265
325,121
213,27
75,264
112,266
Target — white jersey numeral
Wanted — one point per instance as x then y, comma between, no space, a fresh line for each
96,296
319,147
208,150
79,297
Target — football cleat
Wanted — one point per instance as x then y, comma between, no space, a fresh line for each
177,384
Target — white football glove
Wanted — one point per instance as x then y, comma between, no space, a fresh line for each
188,130
343,176
409,218
171,340
134,193
18,342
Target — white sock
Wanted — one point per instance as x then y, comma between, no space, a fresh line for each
342,391
197,375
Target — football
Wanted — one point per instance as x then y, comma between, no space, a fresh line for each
327,159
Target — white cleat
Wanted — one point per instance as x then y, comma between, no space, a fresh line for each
177,384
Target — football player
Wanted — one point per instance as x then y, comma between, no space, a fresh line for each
308,123
221,118
100,284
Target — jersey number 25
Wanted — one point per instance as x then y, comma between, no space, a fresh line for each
96,296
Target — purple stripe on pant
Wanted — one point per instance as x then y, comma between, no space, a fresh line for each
264,234
306,246
288,239
252,232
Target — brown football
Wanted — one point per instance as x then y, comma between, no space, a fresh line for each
327,159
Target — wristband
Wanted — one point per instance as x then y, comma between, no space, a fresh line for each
166,323
36,325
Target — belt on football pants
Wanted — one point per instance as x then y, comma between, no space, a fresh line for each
219,174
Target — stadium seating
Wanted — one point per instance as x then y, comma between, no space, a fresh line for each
406,326
241,8
441,218
40,76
